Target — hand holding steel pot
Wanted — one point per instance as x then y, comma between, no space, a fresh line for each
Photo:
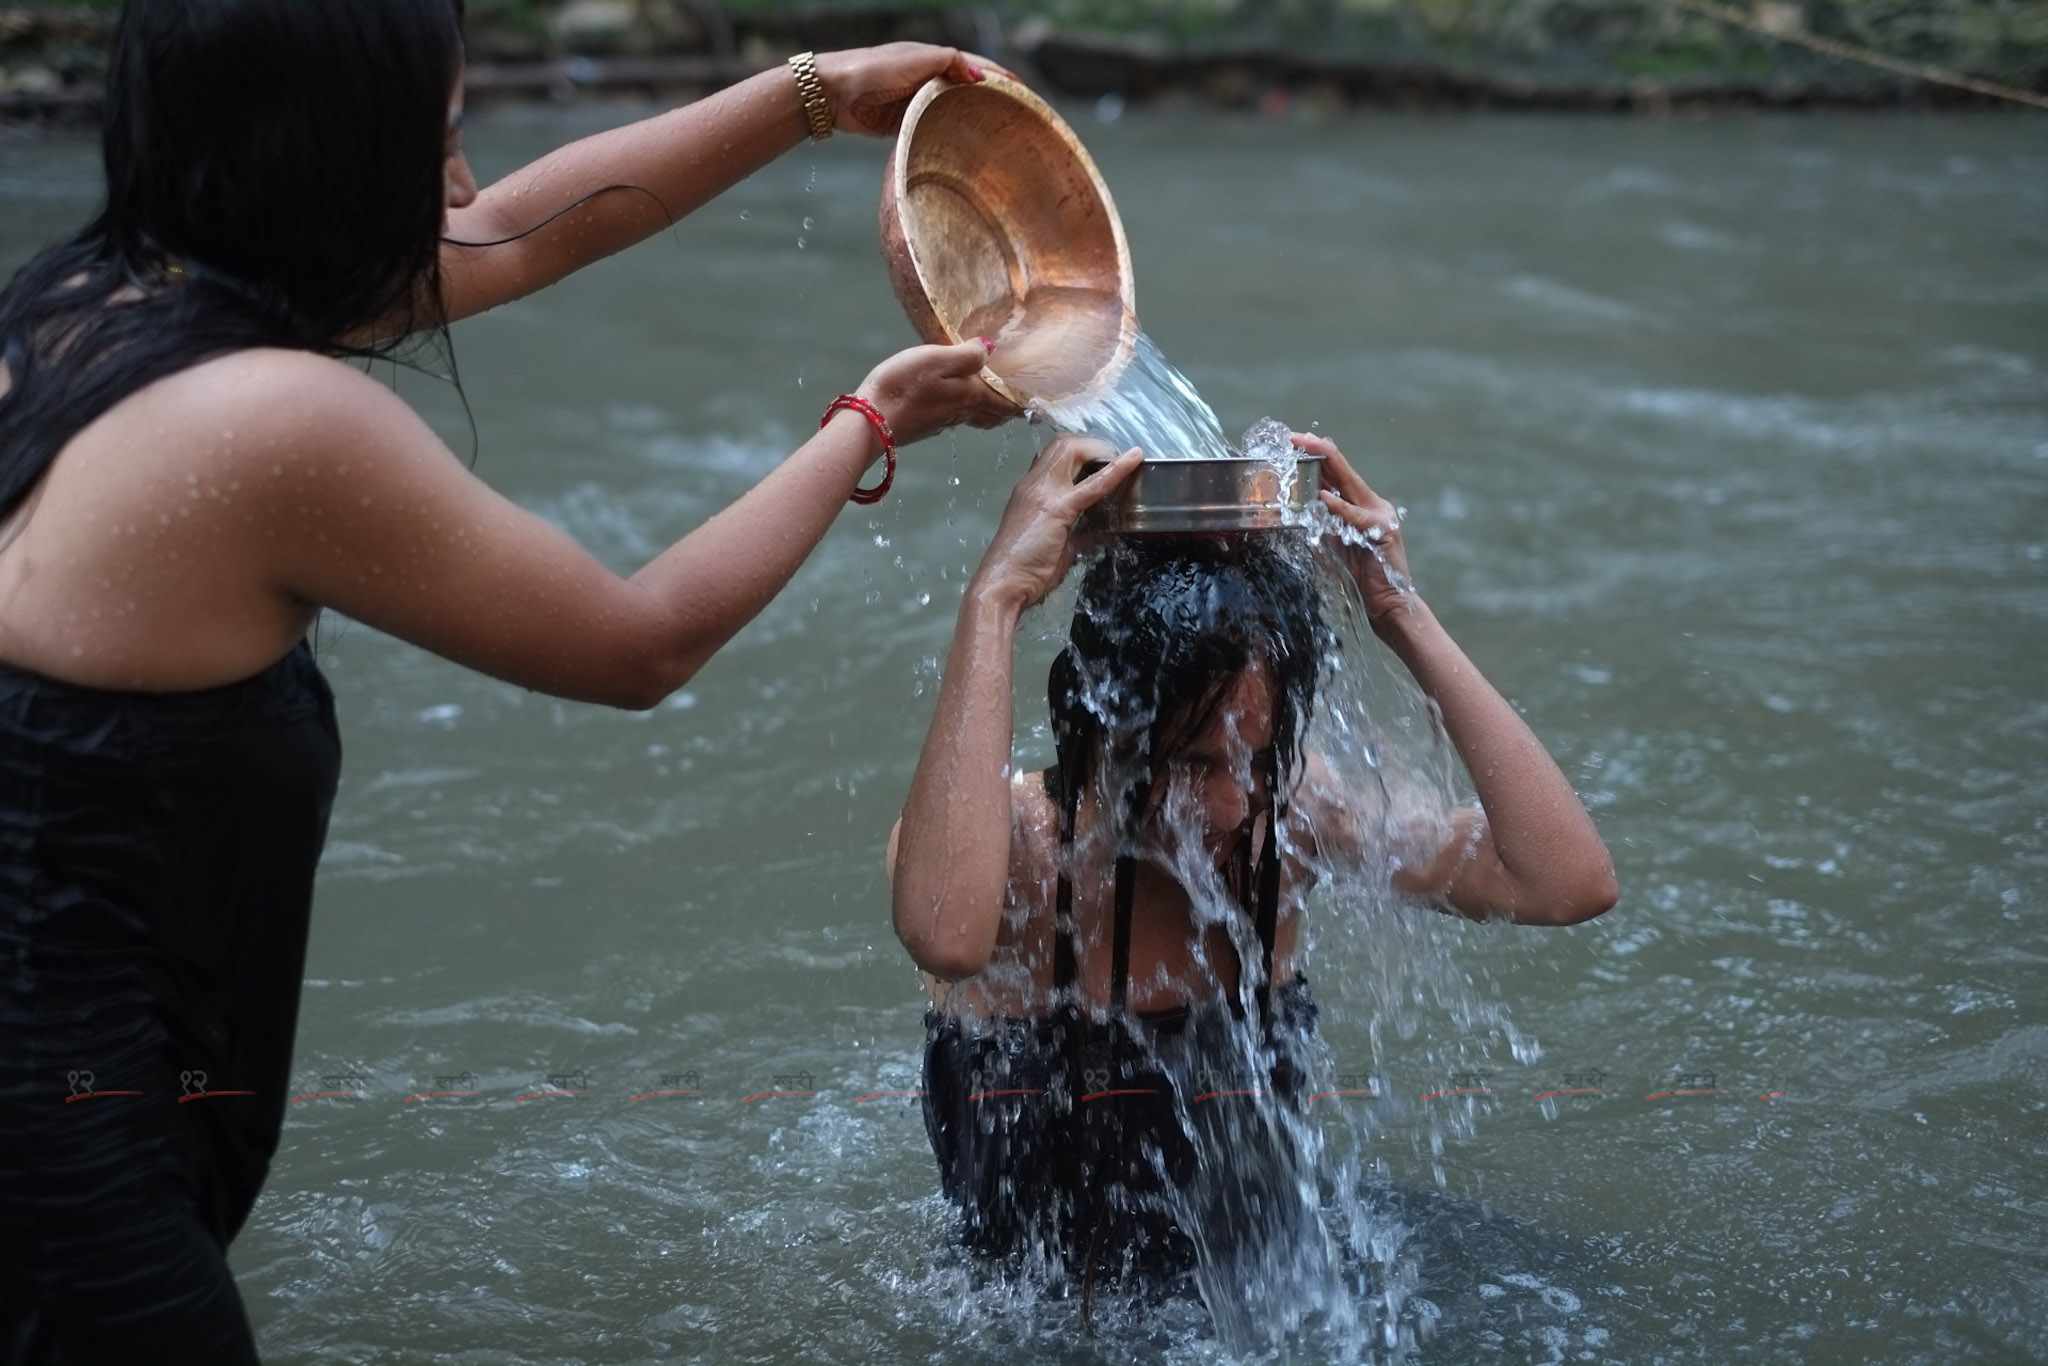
1035,544
1377,559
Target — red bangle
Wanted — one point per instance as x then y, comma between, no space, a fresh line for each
881,426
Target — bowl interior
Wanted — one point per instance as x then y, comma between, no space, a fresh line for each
1013,236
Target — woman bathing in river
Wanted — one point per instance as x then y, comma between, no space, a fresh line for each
190,471
1089,933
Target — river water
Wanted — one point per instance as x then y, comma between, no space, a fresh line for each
1725,450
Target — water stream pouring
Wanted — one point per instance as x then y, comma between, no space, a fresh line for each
996,223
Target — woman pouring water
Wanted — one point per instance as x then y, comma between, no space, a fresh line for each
1109,941
190,471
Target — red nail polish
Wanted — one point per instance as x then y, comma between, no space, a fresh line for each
976,72
987,344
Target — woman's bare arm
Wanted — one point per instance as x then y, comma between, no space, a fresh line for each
676,161
951,851
1534,856
349,501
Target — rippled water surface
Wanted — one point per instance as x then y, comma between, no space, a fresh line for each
1725,446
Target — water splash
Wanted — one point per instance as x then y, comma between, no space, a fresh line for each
1272,441
1303,1243
1303,1239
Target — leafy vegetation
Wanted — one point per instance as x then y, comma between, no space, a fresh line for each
1560,42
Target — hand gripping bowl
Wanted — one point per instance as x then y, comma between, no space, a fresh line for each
995,223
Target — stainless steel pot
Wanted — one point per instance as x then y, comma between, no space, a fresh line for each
1242,493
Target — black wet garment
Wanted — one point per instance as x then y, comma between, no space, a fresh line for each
156,878
1085,1135
1098,1164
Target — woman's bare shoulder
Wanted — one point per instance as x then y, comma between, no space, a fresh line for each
278,424
291,395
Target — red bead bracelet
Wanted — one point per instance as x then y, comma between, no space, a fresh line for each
881,426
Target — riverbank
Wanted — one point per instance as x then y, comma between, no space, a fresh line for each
1283,55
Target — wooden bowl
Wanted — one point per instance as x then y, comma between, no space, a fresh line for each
996,224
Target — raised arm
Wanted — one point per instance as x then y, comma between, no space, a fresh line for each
328,490
1535,856
950,851
676,163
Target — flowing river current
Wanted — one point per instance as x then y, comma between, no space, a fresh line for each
1724,446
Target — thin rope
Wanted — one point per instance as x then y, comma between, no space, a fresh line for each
1934,75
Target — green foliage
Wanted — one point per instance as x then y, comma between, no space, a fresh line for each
1655,39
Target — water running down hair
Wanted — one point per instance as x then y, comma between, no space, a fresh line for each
1163,631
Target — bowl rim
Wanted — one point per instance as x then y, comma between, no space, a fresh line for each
1003,84
1308,458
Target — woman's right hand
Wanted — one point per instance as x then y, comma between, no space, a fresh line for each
1033,547
930,388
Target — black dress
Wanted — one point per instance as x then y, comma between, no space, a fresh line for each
156,876
1111,1142
1084,1139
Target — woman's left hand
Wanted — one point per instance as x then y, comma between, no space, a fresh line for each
871,87
1379,565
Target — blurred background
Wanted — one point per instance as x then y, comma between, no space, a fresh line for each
1321,55
1724,440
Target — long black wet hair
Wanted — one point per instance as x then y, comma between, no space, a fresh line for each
1163,630
276,175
